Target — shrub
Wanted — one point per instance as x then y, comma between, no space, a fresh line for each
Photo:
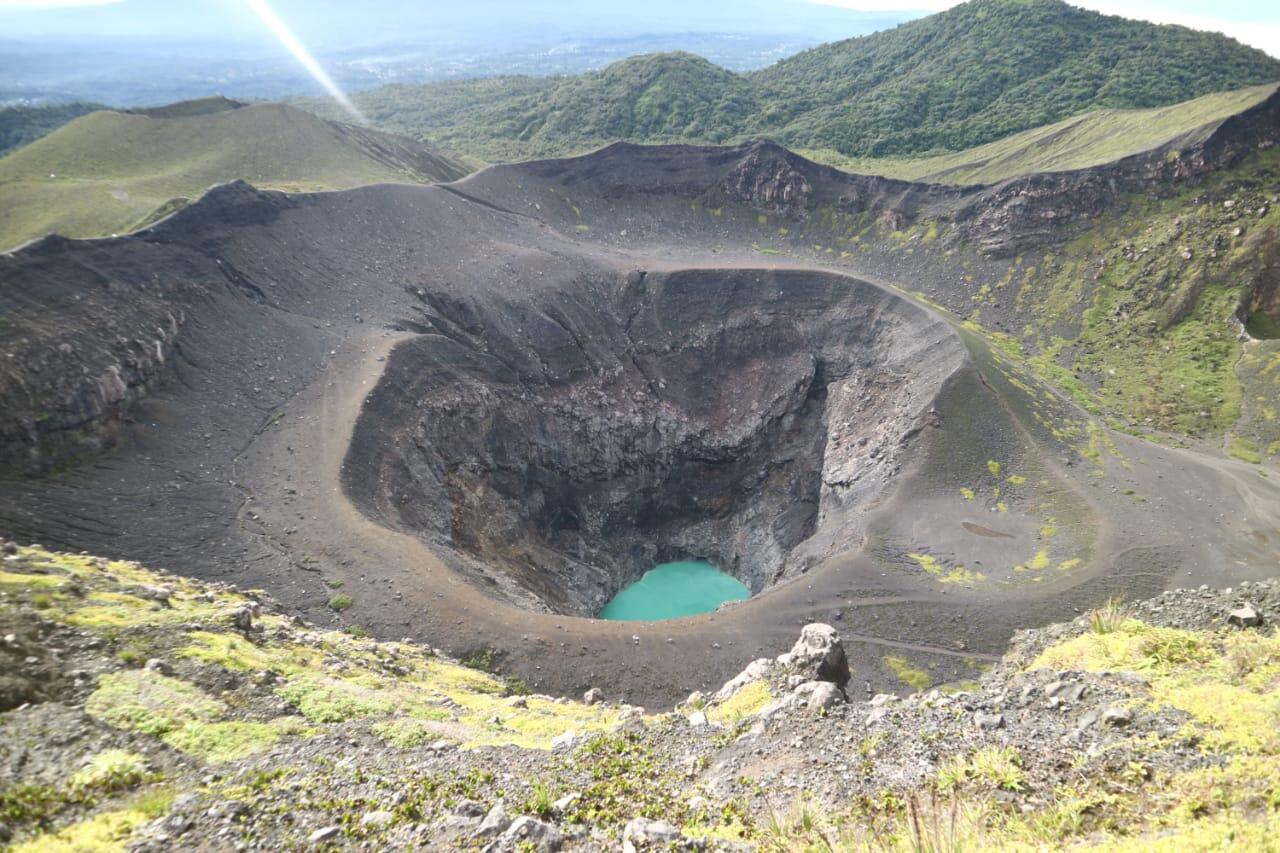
1109,616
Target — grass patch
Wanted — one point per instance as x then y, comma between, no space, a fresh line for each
1245,449
113,770
108,831
945,573
908,673
409,732
993,768
1229,682
150,703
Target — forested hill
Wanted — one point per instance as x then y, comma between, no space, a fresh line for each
970,75
989,68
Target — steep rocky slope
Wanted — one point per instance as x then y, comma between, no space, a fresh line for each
142,709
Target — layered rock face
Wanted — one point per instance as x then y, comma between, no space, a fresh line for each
565,447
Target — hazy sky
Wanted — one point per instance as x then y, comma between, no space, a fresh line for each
1254,22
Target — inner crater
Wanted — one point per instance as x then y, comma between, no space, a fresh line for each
555,447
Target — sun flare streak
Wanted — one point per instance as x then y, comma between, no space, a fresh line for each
282,32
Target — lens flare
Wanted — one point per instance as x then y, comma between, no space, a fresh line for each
282,32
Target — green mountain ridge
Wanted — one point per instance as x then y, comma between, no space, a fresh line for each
1083,141
111,172
965,77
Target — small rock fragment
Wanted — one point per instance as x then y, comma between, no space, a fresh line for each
986,720
531,832
495,823
645,834
323,834
1117,715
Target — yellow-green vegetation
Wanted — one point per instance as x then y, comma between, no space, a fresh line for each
328,678
181,715
1259,373
111,172
992,768
1149,289
1229,681
1245,450
944,573
113,770
1091,139
750,699
108,831
150,703
908,673
409,732
401,692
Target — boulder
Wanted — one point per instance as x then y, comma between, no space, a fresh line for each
566,802
494,824
528,832
323,834
985,720
1117,715
645,834
819,655
242,618
757,670
1245,616
158,665
819,695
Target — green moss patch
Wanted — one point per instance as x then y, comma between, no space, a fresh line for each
908,673
749,700
150,703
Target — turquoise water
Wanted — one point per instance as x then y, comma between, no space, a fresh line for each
672,590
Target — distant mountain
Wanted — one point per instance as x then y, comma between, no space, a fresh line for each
973,74
111,172
988,68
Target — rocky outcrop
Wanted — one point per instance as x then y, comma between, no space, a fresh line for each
819,655
766,180
74,363
1044,209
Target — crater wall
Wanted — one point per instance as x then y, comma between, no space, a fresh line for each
563,446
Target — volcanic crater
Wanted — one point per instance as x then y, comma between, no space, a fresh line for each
481,409
560,448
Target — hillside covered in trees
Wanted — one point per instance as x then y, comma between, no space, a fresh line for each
968,76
